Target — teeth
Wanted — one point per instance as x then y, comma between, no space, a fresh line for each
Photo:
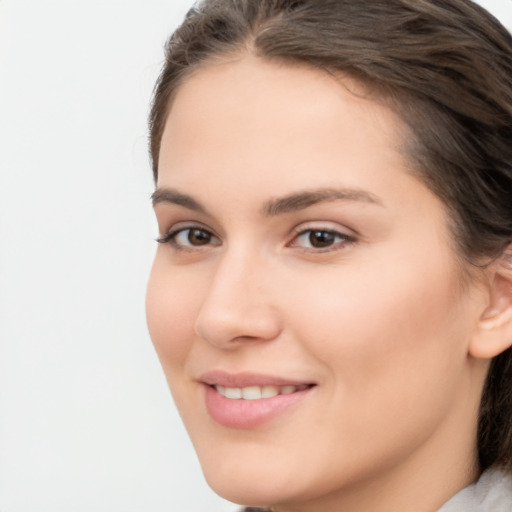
269,391
233,393
251,393
257,392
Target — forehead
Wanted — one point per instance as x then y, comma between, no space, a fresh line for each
243,132
260,115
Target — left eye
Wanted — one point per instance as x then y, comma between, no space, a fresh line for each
319,239
193,236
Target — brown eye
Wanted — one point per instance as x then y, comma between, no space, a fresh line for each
320,239
189,238
198,237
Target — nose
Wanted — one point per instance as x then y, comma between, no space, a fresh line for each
239,305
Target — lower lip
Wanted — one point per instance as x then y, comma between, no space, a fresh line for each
247,414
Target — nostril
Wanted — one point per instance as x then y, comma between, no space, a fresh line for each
227,326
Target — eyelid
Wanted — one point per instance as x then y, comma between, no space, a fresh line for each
170,236
324,226
348,236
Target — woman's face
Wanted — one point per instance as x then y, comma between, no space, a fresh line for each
305,269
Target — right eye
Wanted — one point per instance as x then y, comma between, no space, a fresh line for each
189,238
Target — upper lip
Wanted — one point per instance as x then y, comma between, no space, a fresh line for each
246,379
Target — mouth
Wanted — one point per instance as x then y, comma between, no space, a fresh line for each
258,392
247,400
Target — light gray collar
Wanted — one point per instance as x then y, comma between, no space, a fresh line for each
492,492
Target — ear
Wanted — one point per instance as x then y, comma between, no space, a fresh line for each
494,332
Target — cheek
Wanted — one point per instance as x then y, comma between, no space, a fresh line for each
170,310
386,340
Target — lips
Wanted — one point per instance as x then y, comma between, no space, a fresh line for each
248,400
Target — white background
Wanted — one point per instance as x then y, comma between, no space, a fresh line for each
86,421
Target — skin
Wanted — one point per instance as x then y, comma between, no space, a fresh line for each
378,320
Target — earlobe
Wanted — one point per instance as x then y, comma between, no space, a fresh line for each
494,332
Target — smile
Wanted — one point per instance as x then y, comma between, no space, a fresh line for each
249,400
258,392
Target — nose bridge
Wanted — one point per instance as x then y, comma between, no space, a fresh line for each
238,305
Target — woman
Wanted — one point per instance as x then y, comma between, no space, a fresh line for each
331,299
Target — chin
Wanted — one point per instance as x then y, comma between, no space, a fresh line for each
249,496
248,483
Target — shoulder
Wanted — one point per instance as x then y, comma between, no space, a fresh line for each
492,492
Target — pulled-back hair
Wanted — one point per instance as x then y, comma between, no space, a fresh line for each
444,66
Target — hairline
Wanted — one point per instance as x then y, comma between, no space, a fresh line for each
390,97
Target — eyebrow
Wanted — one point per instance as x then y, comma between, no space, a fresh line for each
277,206
304,199
169,195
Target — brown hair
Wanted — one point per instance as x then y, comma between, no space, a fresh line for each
445,66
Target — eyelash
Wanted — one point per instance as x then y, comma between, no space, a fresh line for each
343,239
335,239
171,237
